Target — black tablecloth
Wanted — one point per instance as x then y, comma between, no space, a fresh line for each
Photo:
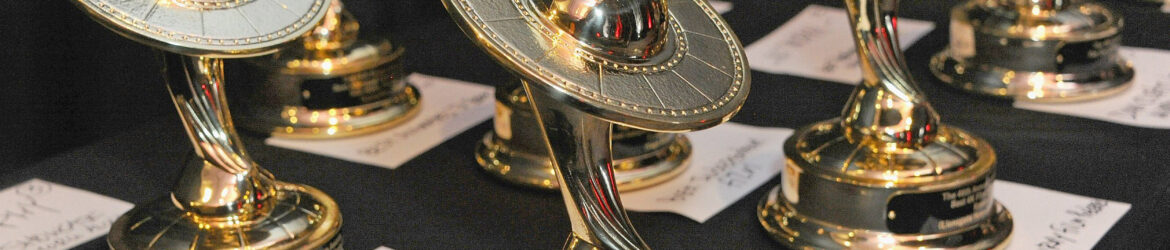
441,200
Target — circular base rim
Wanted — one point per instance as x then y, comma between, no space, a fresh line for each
389,117
535,171
958,74
796,231
324,234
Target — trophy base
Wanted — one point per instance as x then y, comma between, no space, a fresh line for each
1032,86
352,121
796,231
632,172
301,218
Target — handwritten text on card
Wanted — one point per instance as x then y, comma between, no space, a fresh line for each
1051,220
729,161
38,214
1144,104
448,108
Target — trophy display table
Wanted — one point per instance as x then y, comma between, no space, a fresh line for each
443,200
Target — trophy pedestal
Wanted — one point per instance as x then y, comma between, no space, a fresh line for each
1108,79
792,229
1041,51
510,153
887,174
938,196
631,171
333,86
300,217
288,116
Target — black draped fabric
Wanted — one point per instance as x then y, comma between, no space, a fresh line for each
83,107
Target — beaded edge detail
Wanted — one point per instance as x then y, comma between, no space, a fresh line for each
141,25
478,23
211,5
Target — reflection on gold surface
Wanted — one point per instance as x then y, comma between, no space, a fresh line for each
1072,43
861,180
345,86
222,199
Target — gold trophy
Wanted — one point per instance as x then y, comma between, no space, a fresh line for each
586,65
335,85
641,158
887,174
222,199
1038,50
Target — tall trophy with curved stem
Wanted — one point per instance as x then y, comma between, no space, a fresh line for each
222,199
658,65
640,158
1037,50
887,174
334,85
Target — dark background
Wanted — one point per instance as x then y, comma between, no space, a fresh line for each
83,107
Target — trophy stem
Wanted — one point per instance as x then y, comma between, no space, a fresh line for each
336,31
581,154
223,200
887,112
223,181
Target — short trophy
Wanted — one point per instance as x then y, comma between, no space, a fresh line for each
587,65
887,174
1035,50
333,86
222,199
640,158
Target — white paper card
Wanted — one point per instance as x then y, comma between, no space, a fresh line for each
37,214
1145,104
727,162
1047,219
720,6
448,108
818,43
383,248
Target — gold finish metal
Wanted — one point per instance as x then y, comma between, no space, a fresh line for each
587,65
333,86
887,174
223,200
208,28
1035,50
641,158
